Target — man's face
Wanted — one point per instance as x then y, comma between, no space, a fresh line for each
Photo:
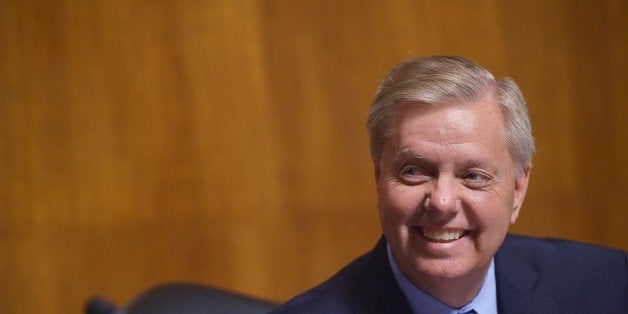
447,190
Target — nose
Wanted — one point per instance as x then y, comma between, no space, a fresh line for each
442,197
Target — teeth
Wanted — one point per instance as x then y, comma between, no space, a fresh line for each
443,235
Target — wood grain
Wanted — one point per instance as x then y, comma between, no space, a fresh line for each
223,142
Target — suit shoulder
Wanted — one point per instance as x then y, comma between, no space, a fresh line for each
550,250
578,277
332,296
564,263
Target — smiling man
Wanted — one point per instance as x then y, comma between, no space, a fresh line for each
452,150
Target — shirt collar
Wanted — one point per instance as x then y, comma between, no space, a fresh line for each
485,302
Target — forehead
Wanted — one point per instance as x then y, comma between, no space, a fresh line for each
462,118
467,126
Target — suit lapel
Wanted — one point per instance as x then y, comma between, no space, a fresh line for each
515,286
377,290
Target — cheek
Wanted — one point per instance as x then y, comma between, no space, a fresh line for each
490,212
396,204
397,199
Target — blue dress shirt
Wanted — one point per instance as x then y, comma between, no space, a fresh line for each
485,302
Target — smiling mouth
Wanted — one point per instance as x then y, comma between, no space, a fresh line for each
442,235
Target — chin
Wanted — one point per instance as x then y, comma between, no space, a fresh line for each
442,270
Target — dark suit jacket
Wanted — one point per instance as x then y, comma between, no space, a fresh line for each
533,276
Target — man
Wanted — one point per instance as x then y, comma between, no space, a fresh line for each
452,150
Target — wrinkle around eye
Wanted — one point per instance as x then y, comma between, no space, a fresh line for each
481,180
478,176
413,175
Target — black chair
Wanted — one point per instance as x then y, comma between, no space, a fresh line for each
183,299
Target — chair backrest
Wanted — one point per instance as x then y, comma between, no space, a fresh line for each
183,299
100,305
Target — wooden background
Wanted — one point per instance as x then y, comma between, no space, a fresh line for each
223,142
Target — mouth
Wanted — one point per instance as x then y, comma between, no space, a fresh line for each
444,235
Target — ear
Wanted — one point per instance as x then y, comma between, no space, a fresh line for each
521,187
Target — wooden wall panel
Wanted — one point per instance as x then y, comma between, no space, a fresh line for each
223,142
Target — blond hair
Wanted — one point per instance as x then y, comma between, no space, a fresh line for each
440,80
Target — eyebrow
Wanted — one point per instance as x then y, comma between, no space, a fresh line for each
480,163
406,154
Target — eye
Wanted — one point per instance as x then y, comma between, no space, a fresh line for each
477,178
474,176
409,171
412,174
